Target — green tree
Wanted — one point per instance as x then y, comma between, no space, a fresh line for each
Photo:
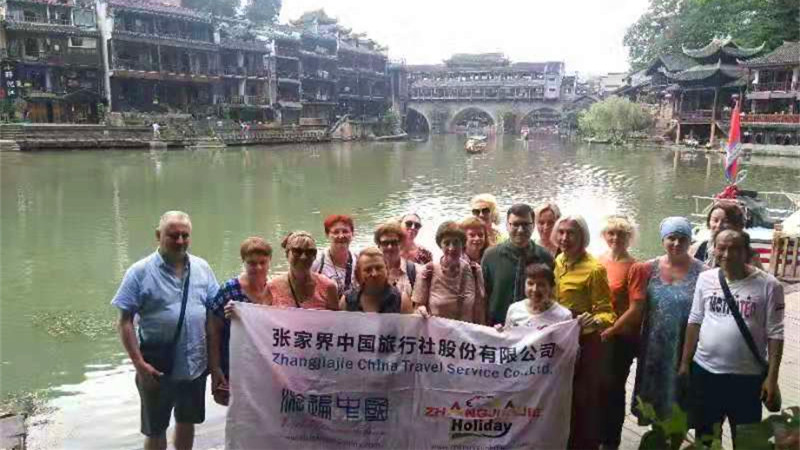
668,25
263,11
614,118
225,8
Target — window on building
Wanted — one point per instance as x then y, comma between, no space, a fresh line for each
32,47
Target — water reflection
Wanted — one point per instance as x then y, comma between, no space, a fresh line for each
72,222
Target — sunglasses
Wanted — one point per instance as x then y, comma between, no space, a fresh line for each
478,212
412,224
298,252
389,242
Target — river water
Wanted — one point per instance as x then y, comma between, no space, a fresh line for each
72,222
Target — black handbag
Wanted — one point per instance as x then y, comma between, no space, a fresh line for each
775,406
162,355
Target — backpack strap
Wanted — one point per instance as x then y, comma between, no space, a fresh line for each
348,277
321,262
411,272
737,316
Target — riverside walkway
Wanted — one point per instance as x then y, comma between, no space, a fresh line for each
788,380
113,398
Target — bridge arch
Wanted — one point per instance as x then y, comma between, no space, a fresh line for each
417,122
470,115
541,117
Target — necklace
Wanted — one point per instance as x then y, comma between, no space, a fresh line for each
297,299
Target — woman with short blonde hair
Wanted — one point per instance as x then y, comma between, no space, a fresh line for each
484,207
582,286
621,343
546,216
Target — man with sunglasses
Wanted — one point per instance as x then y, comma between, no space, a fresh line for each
504,265
169,291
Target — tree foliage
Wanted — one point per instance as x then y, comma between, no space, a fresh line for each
614,118
226,8
669,24
263,11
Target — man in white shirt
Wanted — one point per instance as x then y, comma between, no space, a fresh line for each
727,379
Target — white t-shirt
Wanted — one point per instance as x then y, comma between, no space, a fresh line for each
519,315
722,348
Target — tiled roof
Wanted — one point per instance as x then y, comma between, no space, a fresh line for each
477,83
156,7
547,66
788,53
725,45
705,71
163,40
677,62
348,47
477,59
50,28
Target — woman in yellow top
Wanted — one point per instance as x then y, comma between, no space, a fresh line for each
582,286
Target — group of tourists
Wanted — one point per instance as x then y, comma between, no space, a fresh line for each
707,330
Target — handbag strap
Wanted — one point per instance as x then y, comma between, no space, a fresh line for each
184,300
737,316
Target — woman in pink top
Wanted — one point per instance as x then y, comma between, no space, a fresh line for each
452,287
300,287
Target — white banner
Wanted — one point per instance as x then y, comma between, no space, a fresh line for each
321,380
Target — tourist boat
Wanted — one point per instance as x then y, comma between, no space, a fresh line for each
763,210
475,144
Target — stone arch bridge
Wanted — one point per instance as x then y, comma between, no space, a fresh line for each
443,116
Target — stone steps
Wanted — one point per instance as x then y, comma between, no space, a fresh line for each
8,145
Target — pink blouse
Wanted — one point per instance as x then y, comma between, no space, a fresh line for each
282,293
459,298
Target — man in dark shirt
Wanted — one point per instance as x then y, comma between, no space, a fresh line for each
503,266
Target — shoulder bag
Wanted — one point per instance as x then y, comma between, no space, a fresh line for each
775,405
162,355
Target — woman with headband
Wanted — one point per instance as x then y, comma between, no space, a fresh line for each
661,303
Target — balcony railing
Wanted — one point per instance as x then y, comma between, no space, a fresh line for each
783,86
184,69
256,99
19,16
71,55
771,118
317,98
231,100
124,64
703,115
233,70
164,34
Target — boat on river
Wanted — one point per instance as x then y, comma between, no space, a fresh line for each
475,144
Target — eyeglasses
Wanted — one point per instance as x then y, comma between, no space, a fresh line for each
175,236
298,252
412,224
389,242
478,212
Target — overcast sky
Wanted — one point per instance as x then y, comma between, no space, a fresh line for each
585,34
